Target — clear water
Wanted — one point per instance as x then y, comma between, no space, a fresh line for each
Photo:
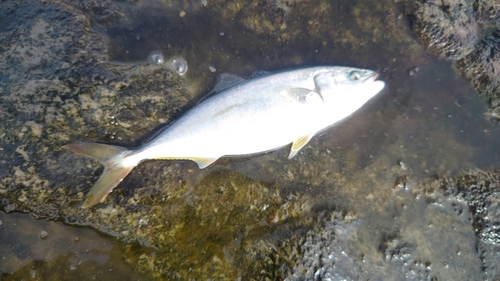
47,250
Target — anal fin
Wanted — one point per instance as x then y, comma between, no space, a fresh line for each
204,162
299,143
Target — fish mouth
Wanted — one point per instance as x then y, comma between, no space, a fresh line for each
376,82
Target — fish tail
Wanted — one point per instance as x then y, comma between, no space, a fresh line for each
115,168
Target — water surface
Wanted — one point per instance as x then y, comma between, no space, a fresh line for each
216,223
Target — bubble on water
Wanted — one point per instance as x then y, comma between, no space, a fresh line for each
43,234
1,222
413,71
179,65
156,57
212,69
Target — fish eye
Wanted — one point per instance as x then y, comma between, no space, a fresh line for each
354,75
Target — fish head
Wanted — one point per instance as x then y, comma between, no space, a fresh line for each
344,89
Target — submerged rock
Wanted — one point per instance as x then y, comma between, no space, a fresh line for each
467,33
439,229
482,68
447,28
480,189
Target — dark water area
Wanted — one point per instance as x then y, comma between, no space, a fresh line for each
364,200
287,38
47,250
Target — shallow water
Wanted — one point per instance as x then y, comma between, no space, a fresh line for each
427,122
46,250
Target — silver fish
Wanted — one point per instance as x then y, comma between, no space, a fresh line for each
243,117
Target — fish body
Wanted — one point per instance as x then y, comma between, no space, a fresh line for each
244,117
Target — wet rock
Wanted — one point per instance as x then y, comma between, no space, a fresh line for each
480,189
465,32
58,88
448,28
341,246
103,12
423,231
482,68
487,12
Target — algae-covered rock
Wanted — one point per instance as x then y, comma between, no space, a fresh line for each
465,32
447,28
481,67
480,189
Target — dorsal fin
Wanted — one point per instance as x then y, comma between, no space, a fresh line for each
258,74
224,81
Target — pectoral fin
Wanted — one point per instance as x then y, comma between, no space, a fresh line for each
202,162
302,95
226,81
299,143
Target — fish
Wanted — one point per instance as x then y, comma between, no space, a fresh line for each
243,117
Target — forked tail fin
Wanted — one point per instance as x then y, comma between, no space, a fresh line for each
114,170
